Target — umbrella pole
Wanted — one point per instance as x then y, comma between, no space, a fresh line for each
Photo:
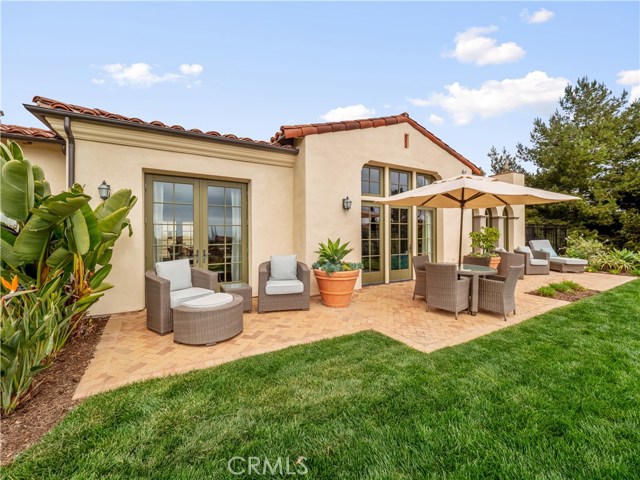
460,242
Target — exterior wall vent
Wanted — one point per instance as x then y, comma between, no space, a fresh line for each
406,140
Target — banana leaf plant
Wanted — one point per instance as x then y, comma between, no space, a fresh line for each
56,247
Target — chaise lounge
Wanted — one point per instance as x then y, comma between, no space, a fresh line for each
558,263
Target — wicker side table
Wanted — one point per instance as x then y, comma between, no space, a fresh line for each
207,325
241,289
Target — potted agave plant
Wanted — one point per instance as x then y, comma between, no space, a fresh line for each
336,278
485,240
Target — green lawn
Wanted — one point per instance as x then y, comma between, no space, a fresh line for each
555,397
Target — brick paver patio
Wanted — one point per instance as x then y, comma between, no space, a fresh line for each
128,352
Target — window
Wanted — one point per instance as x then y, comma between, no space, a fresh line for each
399,181
426,222
371,181
423,179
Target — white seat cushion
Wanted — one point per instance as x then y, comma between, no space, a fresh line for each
211,300
568,260
523,250
284,267
538,262
178,272
284,287
178,297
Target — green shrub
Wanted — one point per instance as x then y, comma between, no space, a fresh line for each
547,291
616,261
567,286
54,258
331,257
580,247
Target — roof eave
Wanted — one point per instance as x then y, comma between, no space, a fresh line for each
42,112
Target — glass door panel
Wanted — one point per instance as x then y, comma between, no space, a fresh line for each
371,238
400,252
172,221
225,237
425,224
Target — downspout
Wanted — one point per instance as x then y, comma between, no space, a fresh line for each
71,153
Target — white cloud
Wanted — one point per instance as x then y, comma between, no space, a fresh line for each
496,97
141,74
435,119
473,47
352,112
541,16
194,69
631,78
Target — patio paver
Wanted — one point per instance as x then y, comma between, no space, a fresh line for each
128,352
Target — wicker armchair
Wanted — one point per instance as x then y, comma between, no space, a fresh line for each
535,269
420,288
474,260
291,301
444,290
158,298
499,296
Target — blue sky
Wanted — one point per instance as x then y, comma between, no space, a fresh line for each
474,73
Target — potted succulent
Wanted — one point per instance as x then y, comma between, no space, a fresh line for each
485,240
336,278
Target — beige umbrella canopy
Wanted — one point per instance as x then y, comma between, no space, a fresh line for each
471,191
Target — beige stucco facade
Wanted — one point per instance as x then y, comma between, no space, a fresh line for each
294,196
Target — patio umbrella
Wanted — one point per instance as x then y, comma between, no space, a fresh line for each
472,191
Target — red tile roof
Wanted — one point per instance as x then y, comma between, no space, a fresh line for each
96,112
16,131
288,132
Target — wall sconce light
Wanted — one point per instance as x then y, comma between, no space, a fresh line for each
104,190
346,203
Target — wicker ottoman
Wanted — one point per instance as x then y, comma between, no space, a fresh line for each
205,325
239,288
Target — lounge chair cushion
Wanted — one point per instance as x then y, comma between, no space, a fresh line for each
283,287
284,267
178,272
210,300
537,262
178,297
550,251
568,260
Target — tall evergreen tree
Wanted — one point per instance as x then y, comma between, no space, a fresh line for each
590,147
504,162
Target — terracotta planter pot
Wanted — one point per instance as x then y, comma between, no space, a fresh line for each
495,261
336,290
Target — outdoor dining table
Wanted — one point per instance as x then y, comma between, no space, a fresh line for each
475,272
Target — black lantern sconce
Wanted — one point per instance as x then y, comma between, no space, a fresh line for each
346,203
104,190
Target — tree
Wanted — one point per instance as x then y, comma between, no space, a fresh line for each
504,162
590,147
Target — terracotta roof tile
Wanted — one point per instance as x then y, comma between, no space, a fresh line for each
26,132
96,112
288,132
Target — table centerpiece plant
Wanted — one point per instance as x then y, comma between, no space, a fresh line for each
483,244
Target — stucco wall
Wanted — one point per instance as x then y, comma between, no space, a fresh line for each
50,157
333,164
122,157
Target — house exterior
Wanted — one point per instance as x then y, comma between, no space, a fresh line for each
229,203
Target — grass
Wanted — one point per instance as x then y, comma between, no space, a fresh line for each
566,286
555,397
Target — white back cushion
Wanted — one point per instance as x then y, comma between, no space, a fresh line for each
178,272
284,267
523,250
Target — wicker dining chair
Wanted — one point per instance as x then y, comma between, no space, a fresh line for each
508,260
420,287
444,290
499,296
